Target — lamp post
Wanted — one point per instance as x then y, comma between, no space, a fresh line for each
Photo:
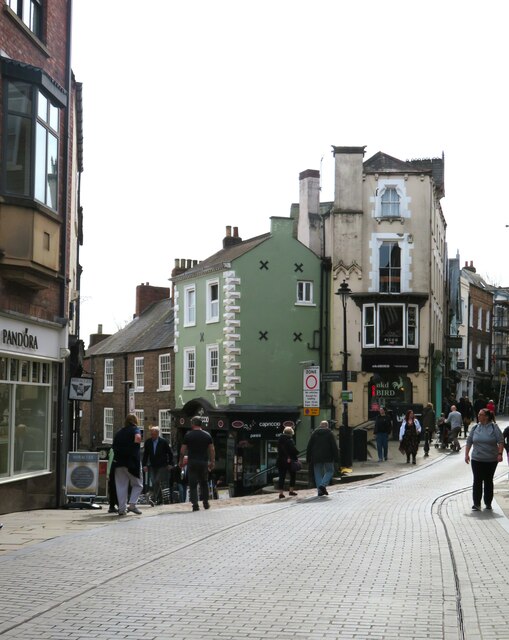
345,433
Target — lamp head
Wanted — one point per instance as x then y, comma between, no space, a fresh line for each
344,290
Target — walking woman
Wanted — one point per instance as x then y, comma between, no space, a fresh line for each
409,435
488,445
286,454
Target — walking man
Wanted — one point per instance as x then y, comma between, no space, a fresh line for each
322,452
456,421
201,458
126,450
157,460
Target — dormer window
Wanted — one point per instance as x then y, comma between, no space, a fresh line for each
390,202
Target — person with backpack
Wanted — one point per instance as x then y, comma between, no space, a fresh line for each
488,445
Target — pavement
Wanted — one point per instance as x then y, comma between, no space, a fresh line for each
26,528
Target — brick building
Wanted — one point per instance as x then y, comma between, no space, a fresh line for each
132,371
40,234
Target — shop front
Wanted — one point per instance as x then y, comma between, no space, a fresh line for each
245,438
29,397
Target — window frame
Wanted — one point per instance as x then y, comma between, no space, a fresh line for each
394,272
190,309
212,382
108,374
305,293
24,10
189,373
375,310
212,306
163,416
164,373
139,374
108,412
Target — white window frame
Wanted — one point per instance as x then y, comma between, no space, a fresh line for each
212,369
165,423
190,306
368,343
140,414
139,374
190,371
488,320
305,292
393,204
395,275
165,372
479,318
108,375
108,424
212,311
415,308
471,315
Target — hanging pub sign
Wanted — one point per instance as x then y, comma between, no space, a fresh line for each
81,389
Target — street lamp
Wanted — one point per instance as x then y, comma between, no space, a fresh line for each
345,433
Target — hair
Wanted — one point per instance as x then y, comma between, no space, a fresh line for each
196,421
154,426
289,431
131,419
488,414
430,405
323,423
407,414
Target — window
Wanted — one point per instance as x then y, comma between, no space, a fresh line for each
213,301
25,416
30,12
189,306
140,414
212,366
189,368
164,372
471,315
488,320
369,325
108,374
31,144
139,374
165,423
390,202
304,292
390,325
108,425
479,318
389,267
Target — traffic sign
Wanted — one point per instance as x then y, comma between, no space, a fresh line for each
347,396
311,390
311,411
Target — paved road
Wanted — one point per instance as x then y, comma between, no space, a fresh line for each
399,558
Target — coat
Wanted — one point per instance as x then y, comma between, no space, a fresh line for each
322,447
163,456
286,449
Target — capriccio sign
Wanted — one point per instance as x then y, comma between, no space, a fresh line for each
20,339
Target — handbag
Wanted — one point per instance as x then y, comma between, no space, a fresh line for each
295,465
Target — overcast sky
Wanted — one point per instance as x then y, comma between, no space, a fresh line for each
202,114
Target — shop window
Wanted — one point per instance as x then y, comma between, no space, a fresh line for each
25,418
390,326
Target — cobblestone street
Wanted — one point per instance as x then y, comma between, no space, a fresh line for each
397,557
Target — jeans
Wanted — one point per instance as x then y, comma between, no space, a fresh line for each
124,479
158,475
198,474
382,445
323,473
483,472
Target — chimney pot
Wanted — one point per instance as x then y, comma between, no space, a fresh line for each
228,231
99,328
235,232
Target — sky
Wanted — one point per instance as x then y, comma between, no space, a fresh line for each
200,114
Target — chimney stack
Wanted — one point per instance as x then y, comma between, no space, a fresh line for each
229,240
469,267
147,295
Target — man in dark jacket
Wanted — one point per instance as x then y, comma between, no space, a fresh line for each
157,460
322,452
199,448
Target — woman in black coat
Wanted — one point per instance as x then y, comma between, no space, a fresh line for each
286,454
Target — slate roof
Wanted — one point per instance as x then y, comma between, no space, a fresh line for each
219,260
150,331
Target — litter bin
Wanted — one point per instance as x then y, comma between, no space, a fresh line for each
360,445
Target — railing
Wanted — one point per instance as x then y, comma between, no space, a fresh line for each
269,469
